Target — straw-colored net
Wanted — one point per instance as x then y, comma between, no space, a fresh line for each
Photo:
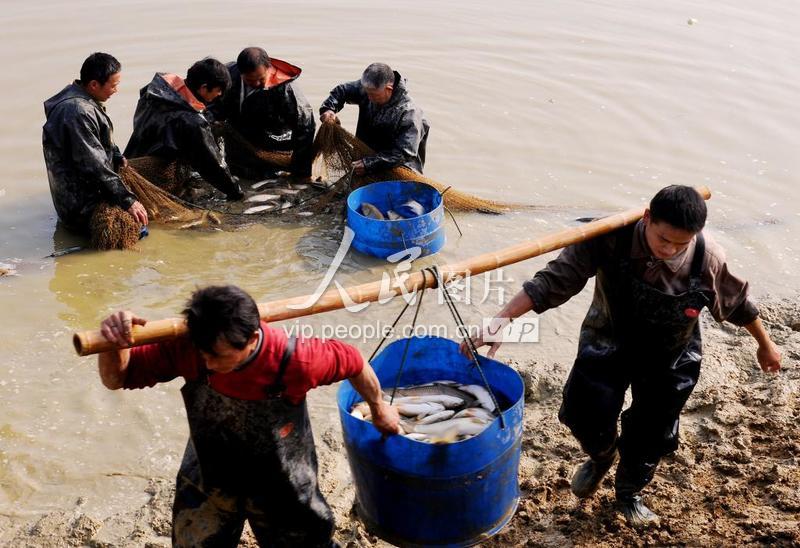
338,148
112,228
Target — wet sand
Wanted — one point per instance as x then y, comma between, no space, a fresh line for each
735,480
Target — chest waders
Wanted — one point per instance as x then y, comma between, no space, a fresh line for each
639,337
248,460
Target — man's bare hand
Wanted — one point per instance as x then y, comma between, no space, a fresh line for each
359,168
385,418
490,333
328,117
769,358
138,212
118,327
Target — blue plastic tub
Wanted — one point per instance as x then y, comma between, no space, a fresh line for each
417,494
384,238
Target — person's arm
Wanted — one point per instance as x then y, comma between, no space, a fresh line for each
767,354
562,278
384,417
519,304
91,160
113,365
347,93
302,133
318,362
200,147
405,147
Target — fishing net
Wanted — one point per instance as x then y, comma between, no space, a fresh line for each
337,148
163,207
242,154
112,228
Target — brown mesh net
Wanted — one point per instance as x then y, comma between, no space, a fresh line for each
112,228
338,148
161,206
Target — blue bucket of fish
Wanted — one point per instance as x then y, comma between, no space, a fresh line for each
413,493
394,216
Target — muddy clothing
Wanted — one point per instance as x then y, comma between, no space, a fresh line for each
641,332
251,452
275,118
81,157
170,123
396,131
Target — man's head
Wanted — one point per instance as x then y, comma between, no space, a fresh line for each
100,75
253,64
676,214
378,83
208,79
223,324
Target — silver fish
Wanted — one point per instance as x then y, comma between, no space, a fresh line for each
481,394
259,184
393,215
436,417
369,210
262,198
286,191
452,427
411,208
259,209
436,389
419,410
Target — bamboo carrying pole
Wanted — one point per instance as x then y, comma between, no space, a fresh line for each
93,342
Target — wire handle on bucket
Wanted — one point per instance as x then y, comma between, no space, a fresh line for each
473,351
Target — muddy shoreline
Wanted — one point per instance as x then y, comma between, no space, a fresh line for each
735,480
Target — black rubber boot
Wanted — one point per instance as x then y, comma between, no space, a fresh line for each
588,476
628,487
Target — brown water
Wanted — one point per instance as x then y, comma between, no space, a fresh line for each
592,106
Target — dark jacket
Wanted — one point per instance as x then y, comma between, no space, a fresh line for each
81,157
169,123
277,117
396,131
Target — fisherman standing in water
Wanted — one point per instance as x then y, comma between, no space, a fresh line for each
389,121
265,105
79,151
641,331
250,454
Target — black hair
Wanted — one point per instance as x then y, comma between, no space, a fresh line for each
210,72
251,58
377,75
99,66
221,310
680,206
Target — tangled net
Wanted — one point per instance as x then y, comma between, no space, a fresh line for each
112,228
338,148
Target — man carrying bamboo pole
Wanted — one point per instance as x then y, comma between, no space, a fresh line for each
641,331
251,452
389,121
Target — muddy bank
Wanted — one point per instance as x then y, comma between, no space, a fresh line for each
734,481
